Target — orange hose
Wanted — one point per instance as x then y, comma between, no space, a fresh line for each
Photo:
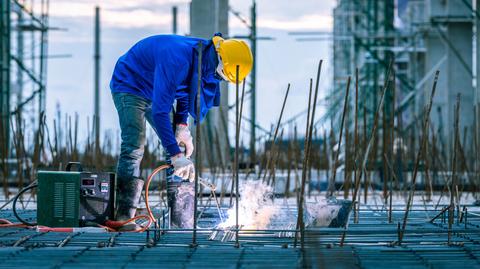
147,186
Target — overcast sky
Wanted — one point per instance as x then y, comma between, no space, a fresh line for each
284,60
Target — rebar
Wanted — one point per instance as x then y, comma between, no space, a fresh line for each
331,185
417,160
300,222
198,160
453,188
236,166
272,148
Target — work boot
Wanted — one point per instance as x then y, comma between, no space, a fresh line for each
128,197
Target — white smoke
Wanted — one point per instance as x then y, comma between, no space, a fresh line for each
255,207
258,211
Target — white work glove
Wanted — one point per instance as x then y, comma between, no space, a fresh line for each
184,139
183,167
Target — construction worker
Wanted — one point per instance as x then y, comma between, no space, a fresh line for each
146,82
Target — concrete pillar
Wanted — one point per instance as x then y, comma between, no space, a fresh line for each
206,18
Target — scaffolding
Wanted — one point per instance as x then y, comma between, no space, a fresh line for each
427,36
23,47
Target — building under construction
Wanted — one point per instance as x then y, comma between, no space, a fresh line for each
389,176
426,36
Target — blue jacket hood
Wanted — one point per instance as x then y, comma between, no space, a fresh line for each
210,88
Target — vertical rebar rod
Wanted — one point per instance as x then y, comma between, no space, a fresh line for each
453,186
372,135
237,121
384,151
331,183
392,141
476,137
309,146
417,160
300,222
198,159
355,136
365,183
272,149
299,205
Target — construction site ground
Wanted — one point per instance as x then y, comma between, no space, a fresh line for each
373,242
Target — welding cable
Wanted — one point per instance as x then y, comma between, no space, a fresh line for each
14,205
147,186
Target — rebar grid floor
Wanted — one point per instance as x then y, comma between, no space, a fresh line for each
370,243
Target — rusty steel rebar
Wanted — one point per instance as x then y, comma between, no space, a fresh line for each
453,188
299,190
300,222
238,121
273,147
372,135
198,160
391,148
235,161
331,183
419,153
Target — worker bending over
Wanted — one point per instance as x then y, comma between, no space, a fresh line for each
146,82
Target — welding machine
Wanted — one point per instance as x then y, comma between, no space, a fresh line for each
75,198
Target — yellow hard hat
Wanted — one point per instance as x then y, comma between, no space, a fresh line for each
233,52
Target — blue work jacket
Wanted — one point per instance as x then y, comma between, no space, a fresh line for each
164,68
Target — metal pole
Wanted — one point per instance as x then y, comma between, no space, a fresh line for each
43,63
197,142
20,56
5,76
96,58
174,19
237,140
253,109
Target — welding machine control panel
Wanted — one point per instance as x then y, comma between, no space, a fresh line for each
96,196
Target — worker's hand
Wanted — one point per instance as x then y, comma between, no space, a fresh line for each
183,167
184,139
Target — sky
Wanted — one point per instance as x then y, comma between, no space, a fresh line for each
279,62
